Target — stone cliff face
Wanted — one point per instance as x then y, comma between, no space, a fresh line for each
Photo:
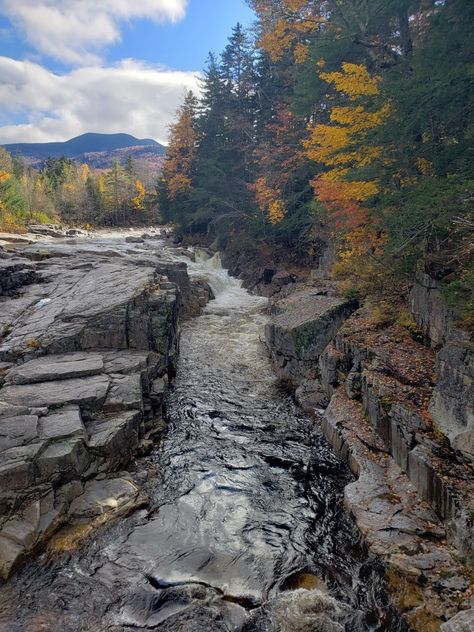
452,406
400,414
89,342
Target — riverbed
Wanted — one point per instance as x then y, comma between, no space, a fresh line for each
245,528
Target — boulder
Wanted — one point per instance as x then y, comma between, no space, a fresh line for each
463,622
49,230
110,496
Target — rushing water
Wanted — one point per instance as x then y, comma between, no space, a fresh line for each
246,531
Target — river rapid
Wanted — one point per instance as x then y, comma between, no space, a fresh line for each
245,530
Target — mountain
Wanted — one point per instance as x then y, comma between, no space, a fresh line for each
98,150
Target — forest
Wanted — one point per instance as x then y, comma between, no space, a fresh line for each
62,190
350,120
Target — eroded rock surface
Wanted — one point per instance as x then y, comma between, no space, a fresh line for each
90,340
414,491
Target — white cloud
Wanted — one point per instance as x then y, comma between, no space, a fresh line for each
75,31
131,97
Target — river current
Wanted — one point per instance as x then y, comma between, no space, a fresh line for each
245,531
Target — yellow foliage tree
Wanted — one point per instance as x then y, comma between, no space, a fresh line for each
289,26
268,201
343,145
137,201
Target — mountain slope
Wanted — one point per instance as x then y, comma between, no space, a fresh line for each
86,143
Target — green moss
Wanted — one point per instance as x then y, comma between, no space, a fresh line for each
386,404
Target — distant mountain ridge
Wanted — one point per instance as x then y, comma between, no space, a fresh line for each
98,150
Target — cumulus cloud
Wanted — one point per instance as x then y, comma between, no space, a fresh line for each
131,97
75,31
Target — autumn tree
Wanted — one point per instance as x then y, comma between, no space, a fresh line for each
181,150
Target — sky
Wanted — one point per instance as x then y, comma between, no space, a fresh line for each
73,66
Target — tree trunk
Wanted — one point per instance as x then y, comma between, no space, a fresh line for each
405,35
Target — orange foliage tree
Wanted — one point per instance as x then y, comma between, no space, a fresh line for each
342,146
181,150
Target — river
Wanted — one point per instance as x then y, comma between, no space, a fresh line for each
245,530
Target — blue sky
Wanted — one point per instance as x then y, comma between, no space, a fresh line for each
67,67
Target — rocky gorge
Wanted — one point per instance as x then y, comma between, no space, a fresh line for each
89,342
396,404
232,505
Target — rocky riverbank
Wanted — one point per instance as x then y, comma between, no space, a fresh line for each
399,411
89,336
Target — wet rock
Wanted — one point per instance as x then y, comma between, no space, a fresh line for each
76,232
20,535
298,611
111,496
132,239
157,392
14,274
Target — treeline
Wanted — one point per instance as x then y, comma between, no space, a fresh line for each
352,118
61,190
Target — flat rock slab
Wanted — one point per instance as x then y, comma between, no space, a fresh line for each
60,367
127,361
87,392
65,423
16,431
306,325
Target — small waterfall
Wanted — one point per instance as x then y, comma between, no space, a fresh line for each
229,293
